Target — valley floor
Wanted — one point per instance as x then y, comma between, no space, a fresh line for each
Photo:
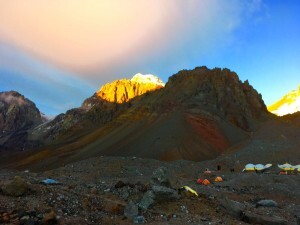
99,190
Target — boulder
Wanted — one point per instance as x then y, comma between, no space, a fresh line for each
120,184
164,193
160,177
156,195
16,187
266,203
148,200
139,220
254,218
233,208
131,210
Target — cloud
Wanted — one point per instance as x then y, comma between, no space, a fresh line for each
57,53
90,36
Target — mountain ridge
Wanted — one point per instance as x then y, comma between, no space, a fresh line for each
200,114
197,116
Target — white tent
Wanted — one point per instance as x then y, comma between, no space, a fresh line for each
286,167
257,167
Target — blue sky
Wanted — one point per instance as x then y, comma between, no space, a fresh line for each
59,68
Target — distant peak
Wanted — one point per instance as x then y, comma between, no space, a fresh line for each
288,104
147,78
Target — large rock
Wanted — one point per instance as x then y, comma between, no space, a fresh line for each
156,195
161,177
233,208
164,193
267,203
16,187
148,200
131,210
254,218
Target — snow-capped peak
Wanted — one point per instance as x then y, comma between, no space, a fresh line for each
290,103
147,78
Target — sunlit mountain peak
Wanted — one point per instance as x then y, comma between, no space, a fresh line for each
290,103
123,90
147,78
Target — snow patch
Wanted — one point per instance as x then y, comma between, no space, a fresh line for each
147,78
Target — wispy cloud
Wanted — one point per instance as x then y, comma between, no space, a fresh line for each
92,35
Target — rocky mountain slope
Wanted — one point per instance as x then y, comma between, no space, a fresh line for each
290,103
17,115
108,102
198,115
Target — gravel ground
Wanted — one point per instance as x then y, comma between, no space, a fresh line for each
109,190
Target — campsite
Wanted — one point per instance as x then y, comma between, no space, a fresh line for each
127,190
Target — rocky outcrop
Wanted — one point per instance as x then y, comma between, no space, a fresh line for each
289,104
123,90
217,91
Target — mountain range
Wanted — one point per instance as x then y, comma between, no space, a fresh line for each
197,115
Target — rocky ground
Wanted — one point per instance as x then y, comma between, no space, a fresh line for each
119,190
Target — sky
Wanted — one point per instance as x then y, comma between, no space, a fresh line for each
58,53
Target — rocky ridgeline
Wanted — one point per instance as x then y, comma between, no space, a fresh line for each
219,92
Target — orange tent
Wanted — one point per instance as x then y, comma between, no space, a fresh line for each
206,182
218,179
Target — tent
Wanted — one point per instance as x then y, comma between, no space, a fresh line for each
218,179
188,189
297,168
286,167
206,182
257,167
249,167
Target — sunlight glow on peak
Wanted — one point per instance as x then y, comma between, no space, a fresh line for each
147,78
289,104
